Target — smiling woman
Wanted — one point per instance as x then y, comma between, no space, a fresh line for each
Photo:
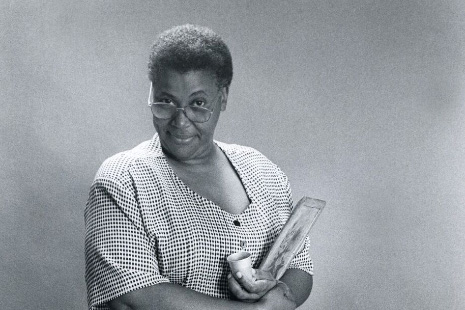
188,136
162,218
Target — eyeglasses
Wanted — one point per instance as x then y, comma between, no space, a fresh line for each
163,110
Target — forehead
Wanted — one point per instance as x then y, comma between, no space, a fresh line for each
173,81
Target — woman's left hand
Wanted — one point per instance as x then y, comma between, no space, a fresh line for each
251,289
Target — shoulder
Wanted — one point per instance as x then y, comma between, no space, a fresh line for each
250,157
241,150
260,173
117,168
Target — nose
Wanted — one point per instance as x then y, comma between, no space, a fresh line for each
180,118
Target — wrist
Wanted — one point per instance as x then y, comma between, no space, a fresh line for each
286,291
279,297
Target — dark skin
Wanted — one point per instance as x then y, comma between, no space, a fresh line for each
189,146
292,292
297,285
202,166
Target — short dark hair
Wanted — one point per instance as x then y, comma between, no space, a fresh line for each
191,47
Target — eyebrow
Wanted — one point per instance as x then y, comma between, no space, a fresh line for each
199,92
165,94
172,97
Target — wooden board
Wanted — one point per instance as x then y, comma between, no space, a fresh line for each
292,237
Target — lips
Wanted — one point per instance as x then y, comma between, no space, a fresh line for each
181,138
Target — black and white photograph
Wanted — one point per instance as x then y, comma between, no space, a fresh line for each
262,155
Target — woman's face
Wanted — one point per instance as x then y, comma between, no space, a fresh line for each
183,139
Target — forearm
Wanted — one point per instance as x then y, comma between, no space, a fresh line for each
174,297
299,282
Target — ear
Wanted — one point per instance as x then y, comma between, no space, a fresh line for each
224,97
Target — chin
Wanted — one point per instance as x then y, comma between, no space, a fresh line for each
180,151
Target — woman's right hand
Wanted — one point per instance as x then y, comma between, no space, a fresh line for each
251,289
278,298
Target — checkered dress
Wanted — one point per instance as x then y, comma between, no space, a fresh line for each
144,226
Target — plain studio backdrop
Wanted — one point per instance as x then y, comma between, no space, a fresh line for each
361,103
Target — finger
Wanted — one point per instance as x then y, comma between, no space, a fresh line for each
264,280
236,289
263,275
246,282
255,286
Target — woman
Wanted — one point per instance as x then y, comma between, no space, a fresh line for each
162,218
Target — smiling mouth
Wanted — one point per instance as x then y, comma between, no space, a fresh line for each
181,139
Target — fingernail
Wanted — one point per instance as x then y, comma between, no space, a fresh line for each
239,275
229,276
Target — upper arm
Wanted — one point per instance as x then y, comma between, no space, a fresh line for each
137,299
173,296
300,283
158,296
119,304
120,256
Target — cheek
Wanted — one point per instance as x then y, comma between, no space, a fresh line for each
157,124
154,122
209,128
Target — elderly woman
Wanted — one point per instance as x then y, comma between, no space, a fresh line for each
162,218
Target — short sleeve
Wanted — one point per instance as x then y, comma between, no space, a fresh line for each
120,256
303,260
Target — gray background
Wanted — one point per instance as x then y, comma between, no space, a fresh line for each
361,103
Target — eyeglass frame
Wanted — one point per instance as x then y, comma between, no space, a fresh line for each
150,103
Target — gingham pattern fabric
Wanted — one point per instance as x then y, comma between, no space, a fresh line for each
144,226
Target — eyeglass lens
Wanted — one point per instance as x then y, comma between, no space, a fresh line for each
167,111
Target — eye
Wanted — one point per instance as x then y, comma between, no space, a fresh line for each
199,103
166,100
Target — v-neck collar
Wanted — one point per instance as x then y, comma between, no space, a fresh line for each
231,157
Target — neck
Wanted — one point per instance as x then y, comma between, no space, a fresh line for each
205,159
